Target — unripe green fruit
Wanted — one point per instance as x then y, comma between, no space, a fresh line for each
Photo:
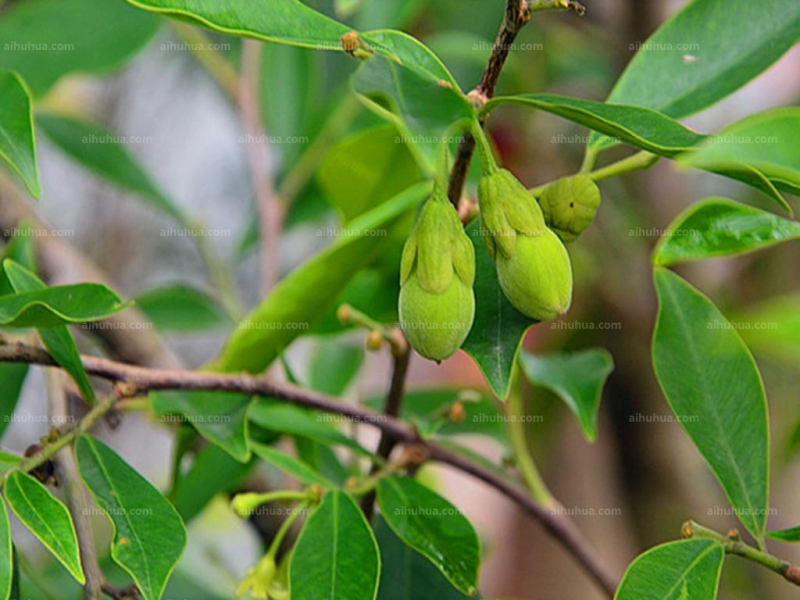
437,304
533,266
537,280
570,205
436,324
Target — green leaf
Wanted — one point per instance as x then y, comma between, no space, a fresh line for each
20,250
47,518
684,570
577,379
219,417
766,142
334,366
419,96
713,385
149,535
275,415
212,471
101,151
54,306
433,527
298,469
336,556
499,328
284,21
322,459
406,574
791,536
8,461
705,52
720,227
296,304
6,554
367,168
17,140
58,340
181,308
13,378
643,128
46,39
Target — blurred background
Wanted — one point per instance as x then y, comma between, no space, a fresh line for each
630,490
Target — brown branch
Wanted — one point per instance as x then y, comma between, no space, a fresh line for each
130,380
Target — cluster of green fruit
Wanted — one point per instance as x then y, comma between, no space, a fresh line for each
524,237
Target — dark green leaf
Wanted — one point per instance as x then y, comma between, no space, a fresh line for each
296,304
17,141
499,328
322,459
720,227
58,340
219,417
101,151
47,518
577,379
285,21
6,554
684,570
301,471
713,385
212,471
433,527
46,39
706,51
336,556
364,170
334,366
406,574
181,308
12,377
643,128
786,535
149,535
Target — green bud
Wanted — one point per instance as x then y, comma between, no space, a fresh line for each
570,205
533,265
437,304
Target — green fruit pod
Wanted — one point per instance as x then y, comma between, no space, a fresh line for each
570,205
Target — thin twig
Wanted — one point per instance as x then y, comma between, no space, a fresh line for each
132,380
269,206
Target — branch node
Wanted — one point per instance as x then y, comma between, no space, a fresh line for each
125,390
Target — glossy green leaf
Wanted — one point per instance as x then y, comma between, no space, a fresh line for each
766,142
181,308
45,39
499,328
720,227
684,570
364,170
213,471
336,556
577,379
285,21
334,366
12,377
406,574
219,417
58,340
786,535
17,141
47,518
102,152
296,304
295,467
713,385
706,51
54,306
149,535
433,527
6,554
275,415
643,128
